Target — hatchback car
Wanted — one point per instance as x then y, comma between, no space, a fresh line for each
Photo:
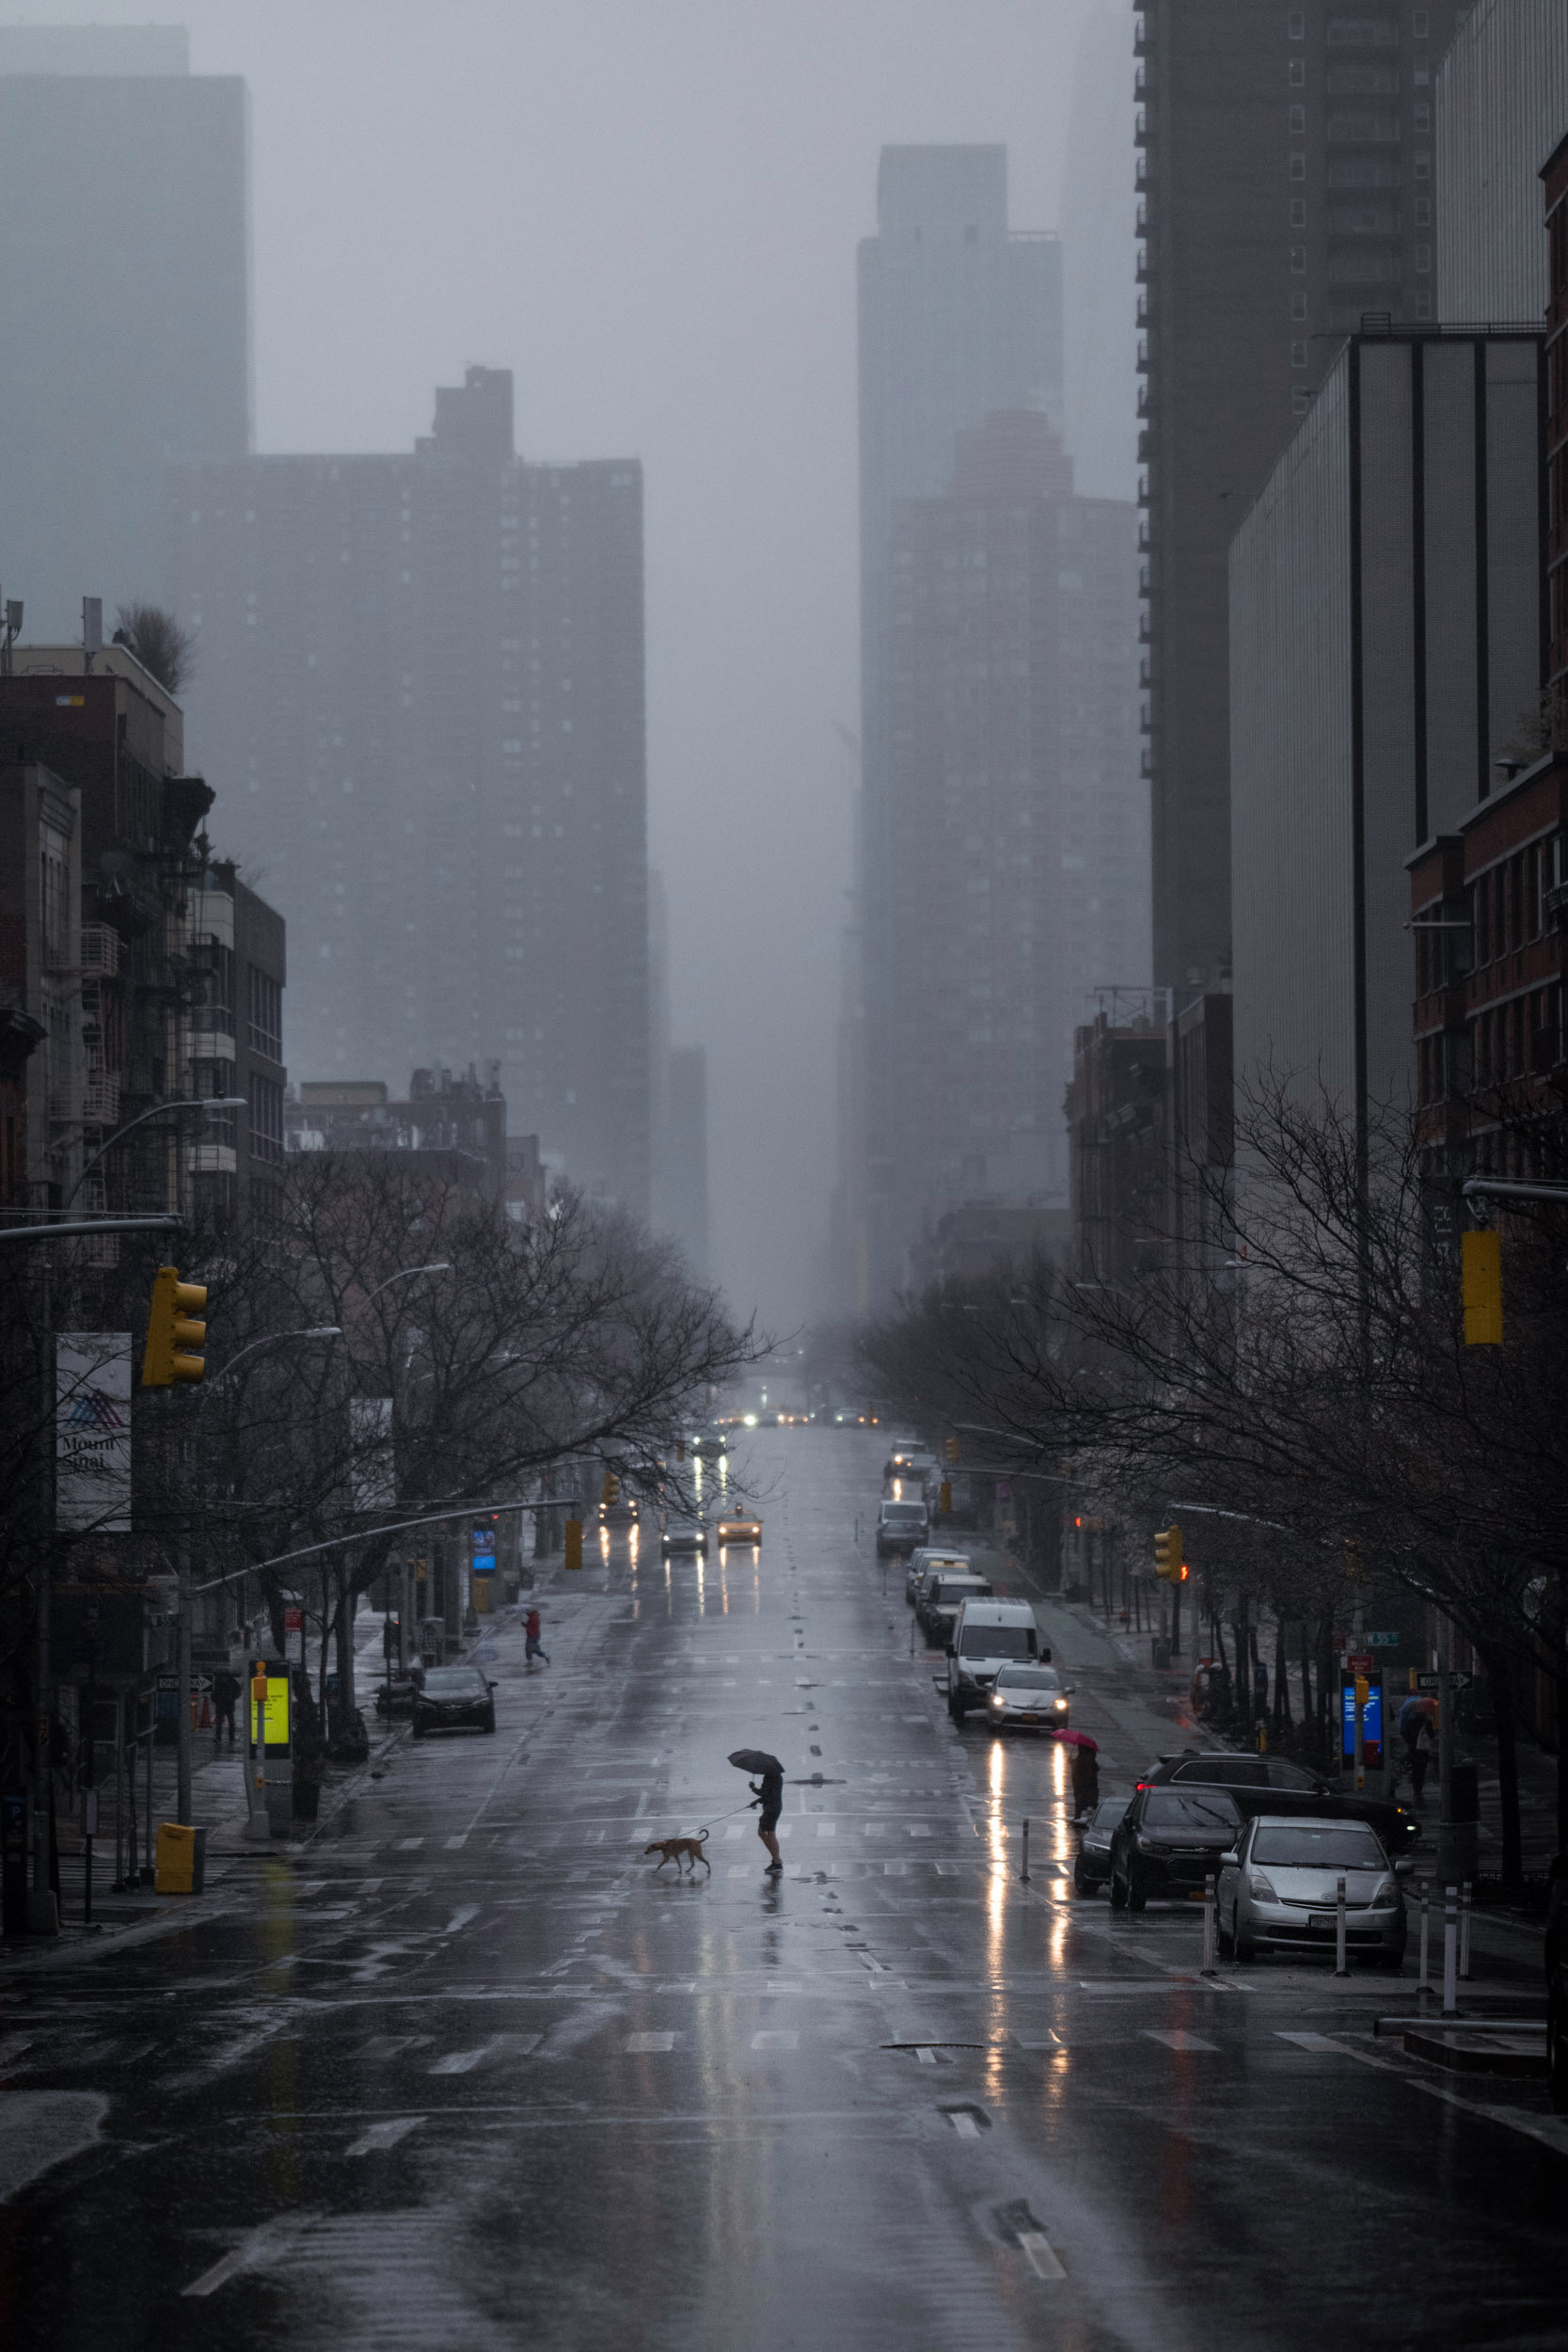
1092,1868
1280,1893
1168,1842
453,1698
1272,1784
1027,1698
684,1535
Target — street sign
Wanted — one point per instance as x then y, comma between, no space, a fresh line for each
1357,1664
1383,1641
1433,1681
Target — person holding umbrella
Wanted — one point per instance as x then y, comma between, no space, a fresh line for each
1086,1769
767,1795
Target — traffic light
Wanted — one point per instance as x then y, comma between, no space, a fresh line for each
1168,1562
171,1335
610,1493
573,1544
680,1449
944,1496
1481,1288
953,1450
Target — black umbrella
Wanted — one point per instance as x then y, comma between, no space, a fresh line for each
756,1760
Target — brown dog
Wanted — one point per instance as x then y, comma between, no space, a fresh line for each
673,1849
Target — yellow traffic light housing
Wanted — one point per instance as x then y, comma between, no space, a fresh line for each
953,1450
1481,1288
944,1496
1168,1562
610,1493
172,1334
573,1544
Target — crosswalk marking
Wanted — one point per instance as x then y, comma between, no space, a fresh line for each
775,2041
408,1845
1041,2255
1311,2041
639,2044
1179,2038
827,1829
379,2136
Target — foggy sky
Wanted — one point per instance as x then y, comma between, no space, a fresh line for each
648,210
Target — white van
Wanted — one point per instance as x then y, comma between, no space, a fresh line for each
989,1635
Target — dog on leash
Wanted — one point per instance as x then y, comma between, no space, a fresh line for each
679,1850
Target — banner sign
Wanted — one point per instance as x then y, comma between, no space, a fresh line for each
92,1430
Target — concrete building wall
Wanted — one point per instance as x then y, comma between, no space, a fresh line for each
1501,108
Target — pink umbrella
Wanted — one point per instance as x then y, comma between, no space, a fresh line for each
1078,1740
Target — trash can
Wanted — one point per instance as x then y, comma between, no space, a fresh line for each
1464,1791
1162,1655
181,1860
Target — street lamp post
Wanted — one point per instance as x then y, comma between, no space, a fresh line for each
159,1111
182,1805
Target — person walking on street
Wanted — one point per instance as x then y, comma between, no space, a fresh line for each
533,1644
1421,1756
768,1796
226,1691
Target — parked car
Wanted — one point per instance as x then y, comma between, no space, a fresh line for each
1280,1890
989,1635
1272,1784
900,1526
452,1698
684,1535
1092,1868
1557,1984
941,1597
395,1694
1028,1698
1168,1841
926,1556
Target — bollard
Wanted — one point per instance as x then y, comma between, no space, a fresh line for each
1423,1983
1464,1931
1208,1968
1341,1965
1025,1846
1450,1951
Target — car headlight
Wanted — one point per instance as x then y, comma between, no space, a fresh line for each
1385,1892
1059,1704
1260,1884
996,1699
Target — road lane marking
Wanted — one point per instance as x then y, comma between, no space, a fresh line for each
1041,2255
827,1829
965,2127
639,2044
1179,2038
1307,2041
379,2136
461,1918
408,1845
462,2061
452,1845
926,2056
238,2258
775,2040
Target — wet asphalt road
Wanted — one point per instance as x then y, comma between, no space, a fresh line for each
472,2073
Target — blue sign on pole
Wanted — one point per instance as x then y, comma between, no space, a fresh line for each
1372,1720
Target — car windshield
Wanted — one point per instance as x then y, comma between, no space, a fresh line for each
996,1641
452,1682
1336,1846
1184,1808
1289,1776
905,1514
1107,1816
1227,1772
1027,1678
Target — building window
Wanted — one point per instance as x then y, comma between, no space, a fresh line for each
1300,402
1298,309
266,1118
1422,168
1298,123
1297,25
1298,167
1423,117
1298,355
1298,212
1423,305
1420,23
1423,212
1423,260
1297,73
212,988
1298,260
267,1015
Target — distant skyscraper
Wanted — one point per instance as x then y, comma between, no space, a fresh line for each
1284,172
124,303
960,318
1015,863
421,681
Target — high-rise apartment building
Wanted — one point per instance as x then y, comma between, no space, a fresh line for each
960,318
421,680
1015,866
125,302
1285,178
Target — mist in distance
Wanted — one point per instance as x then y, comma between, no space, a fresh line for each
650,217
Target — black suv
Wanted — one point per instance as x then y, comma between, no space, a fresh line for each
1168,1842
1268,1784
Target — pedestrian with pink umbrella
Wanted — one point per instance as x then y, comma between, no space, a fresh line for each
1086,1769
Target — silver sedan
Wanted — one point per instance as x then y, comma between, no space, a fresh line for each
1280,1891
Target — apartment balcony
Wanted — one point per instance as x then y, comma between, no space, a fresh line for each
1140,267
101,1099
1140,127
1140,170
1143,489
100,951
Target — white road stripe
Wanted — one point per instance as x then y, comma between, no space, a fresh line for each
1041,2255
379,2136
775,2041
1178,2040
965,2127
646,2044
